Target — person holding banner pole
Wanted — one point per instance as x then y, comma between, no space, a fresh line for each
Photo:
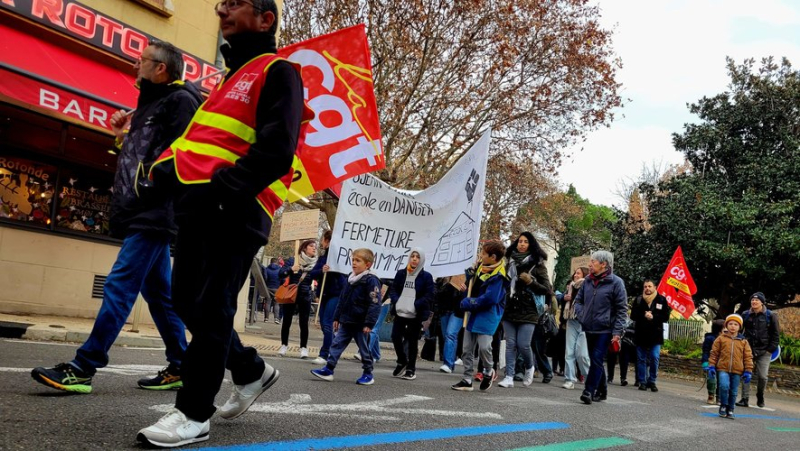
300,274
226,195
330,285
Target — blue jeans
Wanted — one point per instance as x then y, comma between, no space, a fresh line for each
518,338
374,337
572,356
728,388
647,364
596,379
142,266
345,334
451,324
326,311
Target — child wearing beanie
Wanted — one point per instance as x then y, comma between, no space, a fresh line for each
731,359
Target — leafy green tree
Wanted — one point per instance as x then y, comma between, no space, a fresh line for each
736,213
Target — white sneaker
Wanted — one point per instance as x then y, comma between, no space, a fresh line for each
319,361
569,385
243,396
174,429
458,362
527,379
507,382
282,350
303,353
445,369
357,356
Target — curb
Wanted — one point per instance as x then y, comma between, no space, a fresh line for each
40,333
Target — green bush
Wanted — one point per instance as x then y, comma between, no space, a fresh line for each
682,346
790,350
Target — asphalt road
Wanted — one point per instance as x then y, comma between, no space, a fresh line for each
301,412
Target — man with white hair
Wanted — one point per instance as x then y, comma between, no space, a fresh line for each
601,306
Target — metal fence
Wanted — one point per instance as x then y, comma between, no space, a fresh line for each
681,329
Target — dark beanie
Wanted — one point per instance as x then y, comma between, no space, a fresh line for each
759,295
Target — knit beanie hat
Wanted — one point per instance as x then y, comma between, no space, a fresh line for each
734,317
758,295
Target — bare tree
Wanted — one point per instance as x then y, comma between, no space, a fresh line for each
540,73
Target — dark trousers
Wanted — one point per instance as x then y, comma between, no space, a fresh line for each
598,347
626,355
539,346
211,266
303,309
405,332
345,334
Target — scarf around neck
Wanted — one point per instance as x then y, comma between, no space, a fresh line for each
353,278
307,263
596,279
487,271
517,259
649,299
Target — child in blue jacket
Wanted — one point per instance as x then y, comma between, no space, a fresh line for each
355,316
411,295
485,312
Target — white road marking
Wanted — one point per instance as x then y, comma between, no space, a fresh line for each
739,410
48,343
666,430
125,370
300,404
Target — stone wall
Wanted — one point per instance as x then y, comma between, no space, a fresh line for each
780,377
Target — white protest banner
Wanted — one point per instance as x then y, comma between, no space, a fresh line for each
443,220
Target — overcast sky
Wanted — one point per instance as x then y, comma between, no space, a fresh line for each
673,53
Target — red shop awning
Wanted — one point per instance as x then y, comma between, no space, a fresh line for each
45,77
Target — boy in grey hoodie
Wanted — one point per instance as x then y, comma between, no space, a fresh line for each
411,295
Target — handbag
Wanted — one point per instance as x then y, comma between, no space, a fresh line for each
287,293
429,350
548,325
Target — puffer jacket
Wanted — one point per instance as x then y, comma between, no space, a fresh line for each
601,306
731,354
360,302
162,113
763,334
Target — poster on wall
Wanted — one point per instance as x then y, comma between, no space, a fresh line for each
84,202
26,190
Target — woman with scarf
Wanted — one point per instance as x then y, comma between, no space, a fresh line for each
574,354
299,274
528,277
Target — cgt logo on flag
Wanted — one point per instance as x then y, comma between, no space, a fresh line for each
678,286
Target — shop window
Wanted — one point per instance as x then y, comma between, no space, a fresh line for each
84,200
20,128
26,190
90,148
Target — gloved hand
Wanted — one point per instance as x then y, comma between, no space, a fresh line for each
712,372
746,376
526,278
469,272
705,366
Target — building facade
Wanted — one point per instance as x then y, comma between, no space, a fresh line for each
65,67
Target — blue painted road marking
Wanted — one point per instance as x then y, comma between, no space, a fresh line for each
352,441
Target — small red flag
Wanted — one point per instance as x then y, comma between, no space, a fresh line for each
678,286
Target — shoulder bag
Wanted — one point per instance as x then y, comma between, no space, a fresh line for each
287,293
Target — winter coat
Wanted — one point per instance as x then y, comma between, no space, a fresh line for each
360,303
764,335
423,286
162,113
650,333
272,276
708,342
304,293
334,281
447,297
486,309
522,307
731,354
602,308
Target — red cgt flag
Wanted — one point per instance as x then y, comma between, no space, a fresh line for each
678,286
344,138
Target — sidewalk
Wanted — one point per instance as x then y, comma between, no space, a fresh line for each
263,336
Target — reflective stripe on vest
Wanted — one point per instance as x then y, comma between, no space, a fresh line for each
223,129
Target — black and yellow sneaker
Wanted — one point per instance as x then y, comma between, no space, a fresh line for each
64,377
167,379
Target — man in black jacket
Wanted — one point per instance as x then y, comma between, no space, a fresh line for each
146,226
221,221
762,330
650,311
